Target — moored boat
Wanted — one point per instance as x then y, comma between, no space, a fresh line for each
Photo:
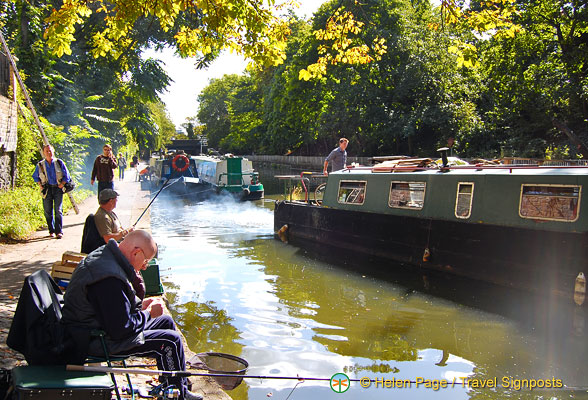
229,174
518,226
177,170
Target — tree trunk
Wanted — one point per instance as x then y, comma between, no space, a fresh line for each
572,136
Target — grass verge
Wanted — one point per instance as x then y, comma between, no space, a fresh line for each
21,211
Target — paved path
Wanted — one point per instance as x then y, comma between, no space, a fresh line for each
40,251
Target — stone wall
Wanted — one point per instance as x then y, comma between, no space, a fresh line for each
8,125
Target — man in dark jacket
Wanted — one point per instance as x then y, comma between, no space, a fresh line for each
103,170
100,295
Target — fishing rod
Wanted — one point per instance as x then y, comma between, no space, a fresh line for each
165,184
186,374
364,381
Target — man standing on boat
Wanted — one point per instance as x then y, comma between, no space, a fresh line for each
100,296
51,174
337,157
104,167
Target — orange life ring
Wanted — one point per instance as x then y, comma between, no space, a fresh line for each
180,157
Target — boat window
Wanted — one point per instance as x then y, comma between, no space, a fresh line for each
550,202
409,195
352,192
463,203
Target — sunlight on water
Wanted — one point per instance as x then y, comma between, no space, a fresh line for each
233,288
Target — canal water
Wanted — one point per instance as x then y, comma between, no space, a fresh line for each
312,313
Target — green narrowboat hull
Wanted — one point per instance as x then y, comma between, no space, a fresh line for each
520,228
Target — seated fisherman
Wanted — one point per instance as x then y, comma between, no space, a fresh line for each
100,296
109,227
107,222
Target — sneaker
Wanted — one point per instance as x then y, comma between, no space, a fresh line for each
51,234
59,235
192,396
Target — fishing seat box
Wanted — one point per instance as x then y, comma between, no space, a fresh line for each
53,382
153,286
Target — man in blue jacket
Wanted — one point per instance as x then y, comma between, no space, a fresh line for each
51,174
100,295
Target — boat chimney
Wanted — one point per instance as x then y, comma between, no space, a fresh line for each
443,151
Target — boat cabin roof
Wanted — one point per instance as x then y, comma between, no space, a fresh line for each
517,196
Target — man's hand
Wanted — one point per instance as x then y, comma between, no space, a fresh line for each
92,182
155,309
154,305
325,172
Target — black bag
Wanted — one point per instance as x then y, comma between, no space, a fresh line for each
91,238
69,186
36,330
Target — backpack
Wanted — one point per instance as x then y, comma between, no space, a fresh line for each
91,238
36,330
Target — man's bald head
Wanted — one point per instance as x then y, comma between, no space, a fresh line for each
138,247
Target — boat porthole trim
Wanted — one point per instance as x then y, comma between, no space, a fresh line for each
409,195
549,202
464,200
352,192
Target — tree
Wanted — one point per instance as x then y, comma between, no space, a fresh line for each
196,28
213,109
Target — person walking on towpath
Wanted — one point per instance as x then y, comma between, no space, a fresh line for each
51,174
100,296
337,157
122,165
103,170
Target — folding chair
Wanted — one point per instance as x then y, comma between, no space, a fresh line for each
109,359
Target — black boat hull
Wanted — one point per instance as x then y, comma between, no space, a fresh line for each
529,259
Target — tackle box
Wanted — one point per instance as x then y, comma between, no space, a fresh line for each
52,382
153,286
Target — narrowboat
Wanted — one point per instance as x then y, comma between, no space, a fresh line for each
231,175
522,227
177,170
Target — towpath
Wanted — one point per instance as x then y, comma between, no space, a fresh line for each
39,251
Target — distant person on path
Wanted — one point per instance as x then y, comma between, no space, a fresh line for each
122,165
136,166
100,295
103,170
51,174
337,157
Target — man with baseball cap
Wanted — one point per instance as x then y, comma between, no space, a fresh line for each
107,222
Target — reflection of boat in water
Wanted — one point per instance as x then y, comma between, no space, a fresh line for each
229,174
204,176
517,226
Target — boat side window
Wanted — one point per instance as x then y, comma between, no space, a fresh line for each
409,195
550,202
463,202
352,192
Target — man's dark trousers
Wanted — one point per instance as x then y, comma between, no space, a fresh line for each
52,203
164,344
105,185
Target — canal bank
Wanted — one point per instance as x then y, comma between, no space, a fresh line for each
40,251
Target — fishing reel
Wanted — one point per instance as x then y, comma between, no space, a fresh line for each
163,391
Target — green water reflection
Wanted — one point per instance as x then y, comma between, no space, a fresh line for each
234,289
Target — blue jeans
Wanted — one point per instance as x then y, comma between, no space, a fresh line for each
105,185
121,173
53,203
